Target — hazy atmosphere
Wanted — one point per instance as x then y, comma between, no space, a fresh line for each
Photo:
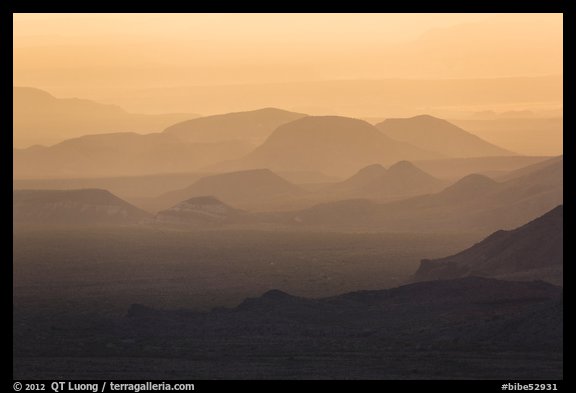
492,72
288,196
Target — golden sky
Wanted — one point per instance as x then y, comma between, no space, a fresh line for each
360,65
158,50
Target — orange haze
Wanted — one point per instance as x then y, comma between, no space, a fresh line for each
468,67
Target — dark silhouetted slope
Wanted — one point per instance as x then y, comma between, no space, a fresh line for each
533,251
428,315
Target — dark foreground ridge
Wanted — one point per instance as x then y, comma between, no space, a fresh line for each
534,250
471,328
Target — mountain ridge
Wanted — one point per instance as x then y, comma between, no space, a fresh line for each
200,210
73,207
529,251
440,136
255,125
402,179
239,188
329,144
41,118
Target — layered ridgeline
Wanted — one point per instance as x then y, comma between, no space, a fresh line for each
474,203
183,147
402,179
263,190
452,169
126,187
40,118
246,189
439,136
329,144
73,207
268,138
254,125
551,163
122,154
532,251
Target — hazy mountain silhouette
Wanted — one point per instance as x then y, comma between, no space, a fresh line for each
474,203
122,154
402,179
252,125
469,187
362,178
440,136
126,187
244,188
329,144
199,210
532,251
530,169
42,118
307,177
72,207
452,169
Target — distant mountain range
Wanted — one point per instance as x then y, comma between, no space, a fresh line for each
184,147
42,118
72,207
527,170
439,136
263,190
288,142
121,154
382,199
249,188
126,187
202,210
251,125
532,251
402,198
474,203
141,187
402,179
452,169
329,144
